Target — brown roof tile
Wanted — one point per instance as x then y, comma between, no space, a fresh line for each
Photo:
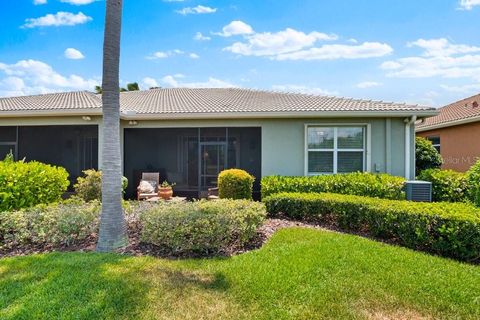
466,109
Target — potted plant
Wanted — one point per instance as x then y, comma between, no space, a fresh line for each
165,190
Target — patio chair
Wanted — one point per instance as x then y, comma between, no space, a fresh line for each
154,179
213,194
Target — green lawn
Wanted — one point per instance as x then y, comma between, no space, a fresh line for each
299,274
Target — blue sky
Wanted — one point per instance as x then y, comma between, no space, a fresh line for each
416,51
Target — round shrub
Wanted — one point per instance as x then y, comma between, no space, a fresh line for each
26,184
235,184
447,185
426,156
473,178
89,187
201,228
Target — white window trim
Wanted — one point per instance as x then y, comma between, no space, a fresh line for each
367,164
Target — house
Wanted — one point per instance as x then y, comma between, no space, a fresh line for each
190,135
455,132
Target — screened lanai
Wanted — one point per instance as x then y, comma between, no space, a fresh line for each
191,157
74,147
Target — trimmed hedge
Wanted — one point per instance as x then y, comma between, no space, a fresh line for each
202,227
26,184
448,229
473,178
358,183
447,185
235,184
59,224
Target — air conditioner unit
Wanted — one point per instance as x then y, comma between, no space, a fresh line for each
420,191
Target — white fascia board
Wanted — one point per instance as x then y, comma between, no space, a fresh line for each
220,115
287,115
51,113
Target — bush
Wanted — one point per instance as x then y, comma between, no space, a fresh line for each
447,185
62,224
426,156
448,229
473,178
361,184
203,227
89,187
26,184
235,184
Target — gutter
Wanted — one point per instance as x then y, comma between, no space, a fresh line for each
132,115
51,113
129,115
408,123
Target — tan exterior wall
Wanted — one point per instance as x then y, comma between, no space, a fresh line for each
459,145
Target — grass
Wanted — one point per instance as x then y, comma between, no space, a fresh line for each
299,274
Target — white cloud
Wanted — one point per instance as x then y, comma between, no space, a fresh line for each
173,81
196,10
269,44
78,2
339,51
235,28
439,59
368,84
291,44
304,89
442,47
200,37
150,82
57,19
39,2
35,77
166,54
463,89
468,4
74,54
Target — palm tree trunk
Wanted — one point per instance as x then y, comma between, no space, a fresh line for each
112,233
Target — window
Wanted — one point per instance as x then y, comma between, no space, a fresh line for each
435,141
335,149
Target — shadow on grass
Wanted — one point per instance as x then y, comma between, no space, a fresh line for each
90,286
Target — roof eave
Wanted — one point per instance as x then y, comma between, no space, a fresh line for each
296,114
448,124
51,113
219,115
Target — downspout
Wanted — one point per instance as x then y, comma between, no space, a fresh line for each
408,123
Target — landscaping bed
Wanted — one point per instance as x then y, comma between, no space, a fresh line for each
447,229
190,229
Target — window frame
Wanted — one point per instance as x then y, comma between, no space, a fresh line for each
366,146
437,146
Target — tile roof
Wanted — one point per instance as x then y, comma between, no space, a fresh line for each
205,101
464,110
52,101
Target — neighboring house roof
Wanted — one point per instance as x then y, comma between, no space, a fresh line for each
460,112
207,102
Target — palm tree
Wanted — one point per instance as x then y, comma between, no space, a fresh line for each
112,233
